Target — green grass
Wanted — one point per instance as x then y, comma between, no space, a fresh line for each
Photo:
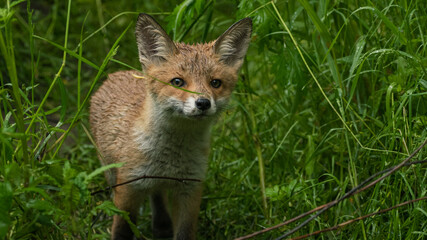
331,92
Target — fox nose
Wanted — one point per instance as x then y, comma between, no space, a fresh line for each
203,104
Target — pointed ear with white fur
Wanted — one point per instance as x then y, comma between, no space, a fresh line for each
232,45
154,45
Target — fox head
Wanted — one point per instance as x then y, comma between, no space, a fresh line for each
191,81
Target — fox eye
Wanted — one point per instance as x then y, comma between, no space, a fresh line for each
177,82
216,83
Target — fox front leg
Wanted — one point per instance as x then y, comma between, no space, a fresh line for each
186,205
161,222
125,199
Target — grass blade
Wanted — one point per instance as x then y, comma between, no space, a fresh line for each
107,59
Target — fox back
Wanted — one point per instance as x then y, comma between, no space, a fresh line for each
158,122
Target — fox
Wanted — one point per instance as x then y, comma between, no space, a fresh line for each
158,123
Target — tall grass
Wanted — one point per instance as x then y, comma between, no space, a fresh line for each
330,93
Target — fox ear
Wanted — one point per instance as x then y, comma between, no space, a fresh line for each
154,45
232,45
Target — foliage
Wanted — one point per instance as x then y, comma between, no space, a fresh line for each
330,93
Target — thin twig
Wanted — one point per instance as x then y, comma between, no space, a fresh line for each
355,190
322,206
326,206
182,180
358,219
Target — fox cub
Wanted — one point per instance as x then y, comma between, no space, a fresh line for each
159,124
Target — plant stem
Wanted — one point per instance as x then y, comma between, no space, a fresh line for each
57,75
257,143
7,50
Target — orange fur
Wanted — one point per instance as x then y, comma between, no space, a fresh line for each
159,130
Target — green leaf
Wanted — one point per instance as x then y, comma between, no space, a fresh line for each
178,14
102,169
14,173
53,110
387,22
41,205
281,192
357,61
70,52
423,83
198,5
64,100
6,195
275,193
110,209
316,20
3,12
40,191
16,3
389,102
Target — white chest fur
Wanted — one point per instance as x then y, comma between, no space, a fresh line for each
172,151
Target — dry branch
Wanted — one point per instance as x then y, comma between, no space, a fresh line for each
358,219
327,206
182,180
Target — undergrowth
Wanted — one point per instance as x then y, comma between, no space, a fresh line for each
331,92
